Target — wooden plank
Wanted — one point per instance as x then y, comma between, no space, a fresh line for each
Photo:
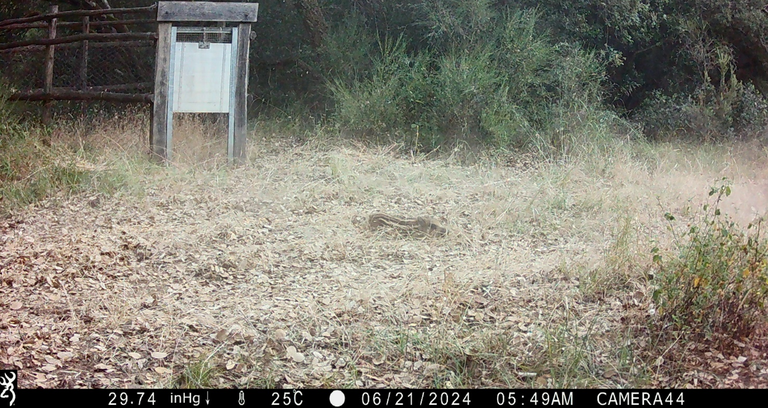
77,24
126,44
84,54
84,62
49,56
80,37
78,13
96,89
207,11
73,95
121,87
104,44
241,93
158,140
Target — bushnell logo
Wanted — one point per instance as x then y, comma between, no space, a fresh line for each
8,384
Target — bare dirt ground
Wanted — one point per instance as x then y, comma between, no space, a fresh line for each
266,275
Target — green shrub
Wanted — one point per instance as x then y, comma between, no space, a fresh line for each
506,124
347,50
716,287
498,83
452,22
750,111
708,115
389,100
464,83
721,106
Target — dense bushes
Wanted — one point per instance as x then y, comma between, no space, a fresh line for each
499,82
531,76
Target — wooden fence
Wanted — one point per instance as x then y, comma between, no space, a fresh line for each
82,35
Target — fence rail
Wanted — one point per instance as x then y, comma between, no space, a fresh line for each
98,44
26,26
81,37
78,13
68,95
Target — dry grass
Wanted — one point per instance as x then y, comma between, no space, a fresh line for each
265,275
